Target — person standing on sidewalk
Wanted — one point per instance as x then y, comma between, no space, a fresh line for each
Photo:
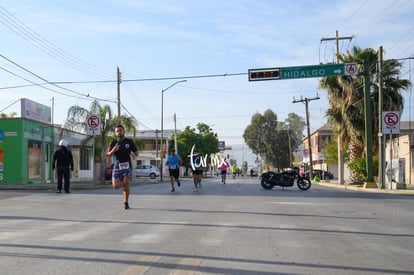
63,165
174,161
122,148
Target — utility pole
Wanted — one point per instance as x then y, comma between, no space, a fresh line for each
175,133
368,123
118,73
156,147
381,152
340,152
290,149
337,38
306,101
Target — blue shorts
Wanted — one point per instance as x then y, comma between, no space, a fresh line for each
120,174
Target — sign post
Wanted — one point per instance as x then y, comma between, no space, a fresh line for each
390,122
391,125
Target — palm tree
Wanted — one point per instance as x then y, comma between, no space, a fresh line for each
77,121
346,99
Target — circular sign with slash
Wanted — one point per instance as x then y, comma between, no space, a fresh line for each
390,122
93,122
351,68
391,119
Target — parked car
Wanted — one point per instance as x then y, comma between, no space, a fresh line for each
322,174
147,171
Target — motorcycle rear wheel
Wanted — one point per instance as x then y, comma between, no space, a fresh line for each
303,183
266,185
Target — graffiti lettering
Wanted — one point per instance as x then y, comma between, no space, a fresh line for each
216,160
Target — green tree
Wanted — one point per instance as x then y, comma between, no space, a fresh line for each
204,139
11,115
330,151
346,100
359,167
260,127
77,121
271,139
294,126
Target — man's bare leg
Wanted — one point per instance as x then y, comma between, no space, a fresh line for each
116,184
126,192
172,183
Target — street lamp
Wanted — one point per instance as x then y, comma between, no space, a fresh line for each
162,125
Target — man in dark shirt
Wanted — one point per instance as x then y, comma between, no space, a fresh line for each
122,148
197,168
63,161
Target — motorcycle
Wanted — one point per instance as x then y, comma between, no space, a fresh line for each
285,179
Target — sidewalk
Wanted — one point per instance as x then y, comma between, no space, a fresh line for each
335,184
74,185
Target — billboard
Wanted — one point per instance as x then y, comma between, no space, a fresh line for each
35,111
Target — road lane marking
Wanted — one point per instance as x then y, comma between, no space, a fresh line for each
145,264
191,266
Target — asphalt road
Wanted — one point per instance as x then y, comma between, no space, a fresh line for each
237,228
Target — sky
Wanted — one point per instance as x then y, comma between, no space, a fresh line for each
78,45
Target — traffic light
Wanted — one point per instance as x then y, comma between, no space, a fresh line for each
264,74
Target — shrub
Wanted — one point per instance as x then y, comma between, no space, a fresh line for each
359,167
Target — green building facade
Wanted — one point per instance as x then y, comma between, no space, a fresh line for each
26,151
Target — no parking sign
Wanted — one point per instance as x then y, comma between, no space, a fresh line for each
93,125
390,122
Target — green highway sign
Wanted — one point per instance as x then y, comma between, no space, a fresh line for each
303,71
318,71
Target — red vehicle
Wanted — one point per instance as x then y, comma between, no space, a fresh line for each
108,173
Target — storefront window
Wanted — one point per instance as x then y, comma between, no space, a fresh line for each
34,159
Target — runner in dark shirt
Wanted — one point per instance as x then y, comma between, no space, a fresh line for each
122,148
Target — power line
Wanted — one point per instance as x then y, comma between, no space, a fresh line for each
5,108
46,81
34,82
353,14
29,35
189,76
139,122
378,17
150,79
168,78
41,78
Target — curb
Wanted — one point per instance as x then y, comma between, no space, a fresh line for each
409,191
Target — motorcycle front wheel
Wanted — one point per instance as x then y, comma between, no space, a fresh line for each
303,183
266,185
